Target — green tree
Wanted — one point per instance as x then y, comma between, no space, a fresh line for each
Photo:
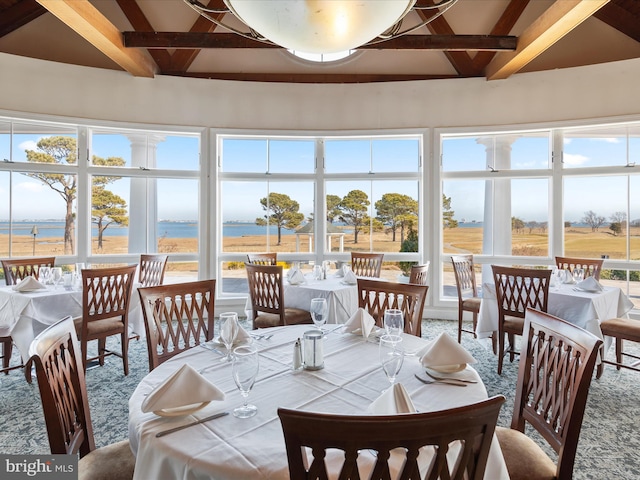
107,209
282,211
616,228
447,213
62,151
621,219
517,224
410,244
353,211
333,211
390,209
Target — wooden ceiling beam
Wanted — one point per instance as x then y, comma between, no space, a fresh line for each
182,59
178,40
140,23
90,24
558,20
19,14
503,26
309,78
621,19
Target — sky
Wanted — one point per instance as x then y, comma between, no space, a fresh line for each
178,198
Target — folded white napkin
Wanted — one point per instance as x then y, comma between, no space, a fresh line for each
360,322
28,284
445,352
350,278
296,278
589,284
241,337
291,271
392,401
185,387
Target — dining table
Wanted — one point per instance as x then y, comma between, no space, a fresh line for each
23,315
567,301
342,297
228,448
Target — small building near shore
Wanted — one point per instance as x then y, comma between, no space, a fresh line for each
332,231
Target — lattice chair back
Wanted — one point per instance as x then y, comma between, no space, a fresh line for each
376,296
520,288
177,317
152,268
16,270
419,274
263,258
366,264
555,370
470,428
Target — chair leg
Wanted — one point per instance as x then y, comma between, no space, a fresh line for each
618,352
494,342
102,349
475,324
460,314
500,351
600,366
125,352
7,350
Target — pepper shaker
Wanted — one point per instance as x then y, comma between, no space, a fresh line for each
297,355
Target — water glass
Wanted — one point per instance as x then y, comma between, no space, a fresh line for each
56,276
394,321
391,356
44,275
560,278
246,364
317,272
319,311
228,331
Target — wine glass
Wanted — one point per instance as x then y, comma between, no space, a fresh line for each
391,356
44,274
578,275
246,364
560,278
56,276
394,321
319,311
228,331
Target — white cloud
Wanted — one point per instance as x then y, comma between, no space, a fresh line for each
28,145
606,140
34,187
574,159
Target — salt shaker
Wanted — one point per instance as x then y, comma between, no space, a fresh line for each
297,355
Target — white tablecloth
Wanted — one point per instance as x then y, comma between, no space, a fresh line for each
253,448
584,309
342,299
25,315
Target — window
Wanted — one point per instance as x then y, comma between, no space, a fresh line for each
367,190
128,192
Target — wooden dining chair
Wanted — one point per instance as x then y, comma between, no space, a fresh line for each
366,264
106,293
177,317
419,274
471,427
17,269
152,268
14,271
63,392
468,299
620,329
263,258
591,266
376,296
516,290
266,290
554,376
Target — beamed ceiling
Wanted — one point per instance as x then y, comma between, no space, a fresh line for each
474,38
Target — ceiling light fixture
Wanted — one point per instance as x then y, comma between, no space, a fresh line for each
321,26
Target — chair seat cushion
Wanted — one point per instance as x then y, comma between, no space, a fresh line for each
513,324
621,327
524,458
472,304
100,327
113,462
292,316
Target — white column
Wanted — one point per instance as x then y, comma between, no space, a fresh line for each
497,204
143,203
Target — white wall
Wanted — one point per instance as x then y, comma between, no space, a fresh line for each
37,86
